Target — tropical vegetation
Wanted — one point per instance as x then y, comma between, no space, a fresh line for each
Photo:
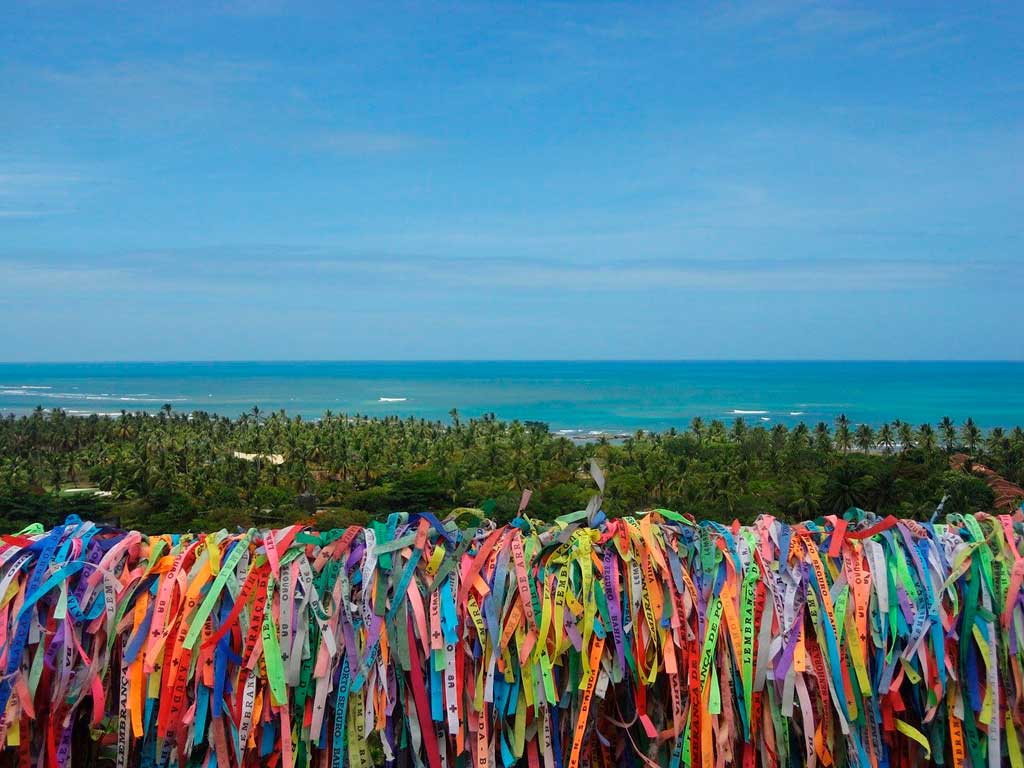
173,471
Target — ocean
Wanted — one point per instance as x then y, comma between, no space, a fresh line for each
576,398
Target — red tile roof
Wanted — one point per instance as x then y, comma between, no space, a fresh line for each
1008,494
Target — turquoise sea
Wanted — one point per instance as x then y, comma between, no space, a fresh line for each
576,397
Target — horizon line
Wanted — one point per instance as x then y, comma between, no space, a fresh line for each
471,360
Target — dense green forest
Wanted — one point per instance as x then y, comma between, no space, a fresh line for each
173,471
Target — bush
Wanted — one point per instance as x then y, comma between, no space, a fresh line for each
473,493
273,497
220,495
375,500
20,509
423,489
228,518
143,516
558,500
966,493
340,517
626,493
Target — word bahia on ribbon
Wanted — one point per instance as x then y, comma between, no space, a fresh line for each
652,640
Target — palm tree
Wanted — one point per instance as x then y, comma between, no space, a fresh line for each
804,504
723,491
55,470
886,439
864,437
948,430
697,427
777,442
15,474
716,432
799,437
843,440
883,490
971,435
906,435
73,466
997,444
844,488
739,430
124,426
822,438
926,437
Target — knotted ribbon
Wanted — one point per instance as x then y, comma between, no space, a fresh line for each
653,640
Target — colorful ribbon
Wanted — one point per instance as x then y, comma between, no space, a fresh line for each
647,641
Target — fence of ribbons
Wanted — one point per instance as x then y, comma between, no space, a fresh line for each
652,640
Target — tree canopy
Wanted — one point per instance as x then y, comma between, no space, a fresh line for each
173,471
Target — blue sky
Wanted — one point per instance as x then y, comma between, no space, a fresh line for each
251,180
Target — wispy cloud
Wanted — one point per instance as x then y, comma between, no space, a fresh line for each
255,8
143,91
792,23
59,278
189,72
616,276
321,271
13,213
802,16
16,181
362,142
29,191
911,42
147,96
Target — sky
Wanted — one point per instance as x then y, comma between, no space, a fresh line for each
482,180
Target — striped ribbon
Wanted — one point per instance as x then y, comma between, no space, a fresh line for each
651,640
